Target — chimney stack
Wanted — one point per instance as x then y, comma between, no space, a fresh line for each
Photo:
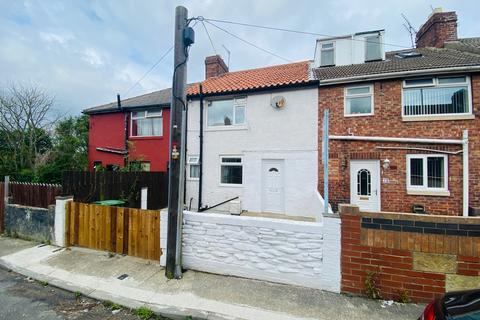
214,66
439,28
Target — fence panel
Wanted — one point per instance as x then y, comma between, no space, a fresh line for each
88,186
128,231
34,194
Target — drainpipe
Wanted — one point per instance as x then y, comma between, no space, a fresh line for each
200,155
119,105
465,173
325,160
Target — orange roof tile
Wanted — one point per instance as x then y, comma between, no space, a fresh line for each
268,77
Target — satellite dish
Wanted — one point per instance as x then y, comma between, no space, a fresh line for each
278,102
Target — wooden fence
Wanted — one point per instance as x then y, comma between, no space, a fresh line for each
128,231
34,194
87,186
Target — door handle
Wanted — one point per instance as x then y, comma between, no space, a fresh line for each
376,193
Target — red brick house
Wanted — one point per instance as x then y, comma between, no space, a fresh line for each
138,131
398,120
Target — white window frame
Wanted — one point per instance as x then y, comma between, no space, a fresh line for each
238,185
362,95
435,84
333,49
424,189
132,118
237,102
193,160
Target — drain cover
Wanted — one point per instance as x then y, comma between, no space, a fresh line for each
123,276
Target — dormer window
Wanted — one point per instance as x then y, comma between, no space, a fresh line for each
327,56
373,49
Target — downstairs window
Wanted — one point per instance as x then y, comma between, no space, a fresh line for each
427,173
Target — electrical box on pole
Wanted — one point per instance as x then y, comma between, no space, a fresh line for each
184,37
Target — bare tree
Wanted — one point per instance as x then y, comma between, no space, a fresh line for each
26,118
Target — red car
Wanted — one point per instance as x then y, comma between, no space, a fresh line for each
461,305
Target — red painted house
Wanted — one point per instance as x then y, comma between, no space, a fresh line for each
138,131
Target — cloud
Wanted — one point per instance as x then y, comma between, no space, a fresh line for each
93,57
85,52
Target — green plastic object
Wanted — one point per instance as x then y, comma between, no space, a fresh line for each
117,203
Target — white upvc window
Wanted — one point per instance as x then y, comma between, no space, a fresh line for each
446,96
193,167
224,113
327,54
358,101
231,170
427,173
146,123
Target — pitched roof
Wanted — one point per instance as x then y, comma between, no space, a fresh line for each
261,78
471,45
431,58
159,98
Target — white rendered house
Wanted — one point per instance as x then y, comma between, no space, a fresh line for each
260,141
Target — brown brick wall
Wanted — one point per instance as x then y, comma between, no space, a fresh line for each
438,29
387,122
214,66
390,253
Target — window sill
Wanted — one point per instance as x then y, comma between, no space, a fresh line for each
229,185
437,193
145,138
226,128
441,117
358,115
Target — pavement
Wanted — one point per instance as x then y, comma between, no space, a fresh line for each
198,295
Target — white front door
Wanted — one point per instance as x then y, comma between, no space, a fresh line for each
365,184
272,186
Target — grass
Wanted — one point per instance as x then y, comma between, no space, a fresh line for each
144,313
78,294
43,283
111,305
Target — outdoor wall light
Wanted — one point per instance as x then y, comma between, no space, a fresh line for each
386,164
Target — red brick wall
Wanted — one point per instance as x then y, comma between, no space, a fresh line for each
387,122
390,253
214,66
438,29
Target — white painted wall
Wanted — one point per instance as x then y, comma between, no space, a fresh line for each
60,218
284,251
290,134
349,49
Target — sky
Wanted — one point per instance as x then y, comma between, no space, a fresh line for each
85,52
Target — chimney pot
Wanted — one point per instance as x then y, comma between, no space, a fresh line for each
215,66
438,29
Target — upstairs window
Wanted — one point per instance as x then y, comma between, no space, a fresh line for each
148,123
427,172
327,54
359,100
436,96
373,48
226,112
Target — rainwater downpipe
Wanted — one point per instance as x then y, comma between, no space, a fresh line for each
465,173
200,154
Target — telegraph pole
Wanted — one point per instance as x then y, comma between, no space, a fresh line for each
177,144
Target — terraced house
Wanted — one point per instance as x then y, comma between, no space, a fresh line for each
404,125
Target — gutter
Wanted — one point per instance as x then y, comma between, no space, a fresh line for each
391,139
390,75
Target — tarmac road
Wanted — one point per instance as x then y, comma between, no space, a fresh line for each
23,298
